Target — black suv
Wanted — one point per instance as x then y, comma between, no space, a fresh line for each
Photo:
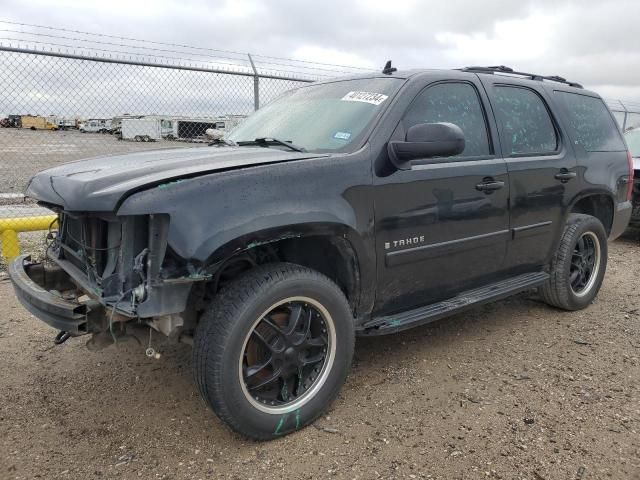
358,206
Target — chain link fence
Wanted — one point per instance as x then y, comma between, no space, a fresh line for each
62,107
57,107
626,113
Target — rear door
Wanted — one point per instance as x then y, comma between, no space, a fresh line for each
438,229
541,166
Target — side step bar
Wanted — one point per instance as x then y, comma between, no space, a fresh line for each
468,299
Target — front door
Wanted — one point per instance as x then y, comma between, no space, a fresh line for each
443,226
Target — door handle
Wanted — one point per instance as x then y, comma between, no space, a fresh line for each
490,185
565,175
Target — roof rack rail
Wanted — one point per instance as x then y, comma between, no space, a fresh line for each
511,71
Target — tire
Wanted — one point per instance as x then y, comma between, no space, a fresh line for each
226,334
566,289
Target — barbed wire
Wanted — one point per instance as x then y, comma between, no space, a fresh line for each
76,39
178,45
141,56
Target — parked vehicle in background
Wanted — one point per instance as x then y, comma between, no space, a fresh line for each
15,121
359,206
190,128
227,123
37,123
116,123
66,123
145,129
632,136
153,127
95,126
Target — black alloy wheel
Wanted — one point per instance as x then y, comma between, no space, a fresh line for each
285,354
585,263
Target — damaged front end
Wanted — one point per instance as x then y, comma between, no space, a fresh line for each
110,276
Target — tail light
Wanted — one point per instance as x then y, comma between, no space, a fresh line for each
630,181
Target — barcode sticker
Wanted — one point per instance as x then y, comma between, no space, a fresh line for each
366,97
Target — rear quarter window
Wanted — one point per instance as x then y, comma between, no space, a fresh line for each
593,126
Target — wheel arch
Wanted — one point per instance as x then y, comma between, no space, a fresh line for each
598,204
333,249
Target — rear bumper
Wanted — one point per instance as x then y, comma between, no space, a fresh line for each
621,218
38,289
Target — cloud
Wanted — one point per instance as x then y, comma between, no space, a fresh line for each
330,55
510,41
588,41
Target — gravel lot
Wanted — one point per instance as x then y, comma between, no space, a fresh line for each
513,390
25,152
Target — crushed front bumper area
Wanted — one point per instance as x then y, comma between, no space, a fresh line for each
49,294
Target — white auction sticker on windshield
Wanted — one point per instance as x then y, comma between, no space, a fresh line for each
366,97
342,135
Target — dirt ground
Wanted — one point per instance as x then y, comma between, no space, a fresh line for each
513,390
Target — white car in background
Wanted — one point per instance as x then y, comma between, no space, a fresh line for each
95,126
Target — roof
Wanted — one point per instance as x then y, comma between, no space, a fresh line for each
497,70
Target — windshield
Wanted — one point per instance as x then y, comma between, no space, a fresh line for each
321,118
633,140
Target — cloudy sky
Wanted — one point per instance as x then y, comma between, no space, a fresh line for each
591,42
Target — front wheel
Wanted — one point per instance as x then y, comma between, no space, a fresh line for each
273,350
579,265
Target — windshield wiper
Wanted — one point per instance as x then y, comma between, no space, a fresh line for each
265,141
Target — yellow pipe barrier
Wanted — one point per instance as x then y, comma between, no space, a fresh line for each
9,228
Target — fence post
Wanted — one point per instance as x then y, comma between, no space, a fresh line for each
256,84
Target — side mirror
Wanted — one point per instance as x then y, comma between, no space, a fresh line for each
426,140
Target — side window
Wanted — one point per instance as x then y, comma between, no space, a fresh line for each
592,124
456,103
526,125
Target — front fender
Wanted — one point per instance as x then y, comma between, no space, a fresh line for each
211,211
215,214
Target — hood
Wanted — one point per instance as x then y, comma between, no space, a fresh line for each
99,184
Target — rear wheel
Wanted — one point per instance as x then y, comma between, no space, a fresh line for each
579,265
273,349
